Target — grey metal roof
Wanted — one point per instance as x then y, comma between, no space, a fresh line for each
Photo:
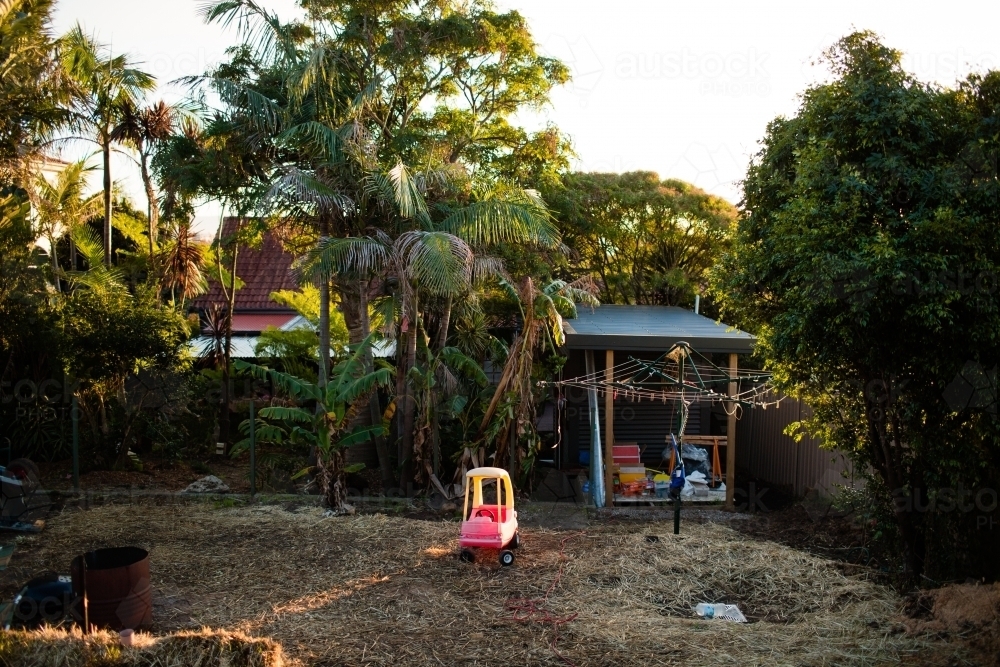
638,328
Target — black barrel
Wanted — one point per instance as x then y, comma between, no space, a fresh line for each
119,594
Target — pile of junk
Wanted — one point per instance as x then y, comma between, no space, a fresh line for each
106,589
702,478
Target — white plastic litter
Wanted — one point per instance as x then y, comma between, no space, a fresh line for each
727,612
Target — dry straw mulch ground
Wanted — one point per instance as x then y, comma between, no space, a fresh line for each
379,590
187,648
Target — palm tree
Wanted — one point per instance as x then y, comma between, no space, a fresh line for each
98,276
183,260
110,85
34,93
434,262
331,425
61,206
320,114
143,129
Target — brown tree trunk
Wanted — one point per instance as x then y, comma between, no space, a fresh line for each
324,316
224,417
374,405
350,306
54,256
106,152
442,336
887,455
409,400
332,482
153,210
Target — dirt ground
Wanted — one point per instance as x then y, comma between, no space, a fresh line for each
156,475
376,589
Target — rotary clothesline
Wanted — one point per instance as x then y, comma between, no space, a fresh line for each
690,382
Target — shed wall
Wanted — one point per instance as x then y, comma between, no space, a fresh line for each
765,453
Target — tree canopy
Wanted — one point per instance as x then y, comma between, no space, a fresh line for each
646,240
866,259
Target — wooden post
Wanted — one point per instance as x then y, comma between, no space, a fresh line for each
609,428
75,416
253,450
731,437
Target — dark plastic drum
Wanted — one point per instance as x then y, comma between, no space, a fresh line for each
119,594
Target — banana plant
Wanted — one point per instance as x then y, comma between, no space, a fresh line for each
509,420
322,417
442,381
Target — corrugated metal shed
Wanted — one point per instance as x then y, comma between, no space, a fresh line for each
646,423
765,453
649,328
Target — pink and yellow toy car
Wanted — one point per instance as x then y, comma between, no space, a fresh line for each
488,517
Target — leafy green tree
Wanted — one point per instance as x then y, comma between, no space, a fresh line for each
866,260
61,206
109,85
30,336
644,240
34,93
111,335
341,101
323,417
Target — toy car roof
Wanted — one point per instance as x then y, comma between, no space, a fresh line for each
488,472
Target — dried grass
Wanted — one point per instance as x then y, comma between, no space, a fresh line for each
204,648
380,590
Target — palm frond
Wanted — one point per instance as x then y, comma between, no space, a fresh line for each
486,268
398,190
361,434
505,217
364,385
299,415
465,365
291,385
261,113
437,262
353,255
260,28
297,190
326,141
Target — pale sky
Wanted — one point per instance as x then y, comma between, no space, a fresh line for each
685,89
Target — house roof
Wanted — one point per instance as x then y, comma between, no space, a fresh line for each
651,328
257,322
263,270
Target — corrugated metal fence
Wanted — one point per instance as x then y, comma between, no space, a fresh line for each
765,453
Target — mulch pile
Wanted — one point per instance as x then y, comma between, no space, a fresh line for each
205,648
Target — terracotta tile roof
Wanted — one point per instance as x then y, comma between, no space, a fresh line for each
263,270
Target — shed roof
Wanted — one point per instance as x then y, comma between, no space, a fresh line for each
654,328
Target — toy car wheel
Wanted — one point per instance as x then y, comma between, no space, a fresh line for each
516,542
467,556
506,557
